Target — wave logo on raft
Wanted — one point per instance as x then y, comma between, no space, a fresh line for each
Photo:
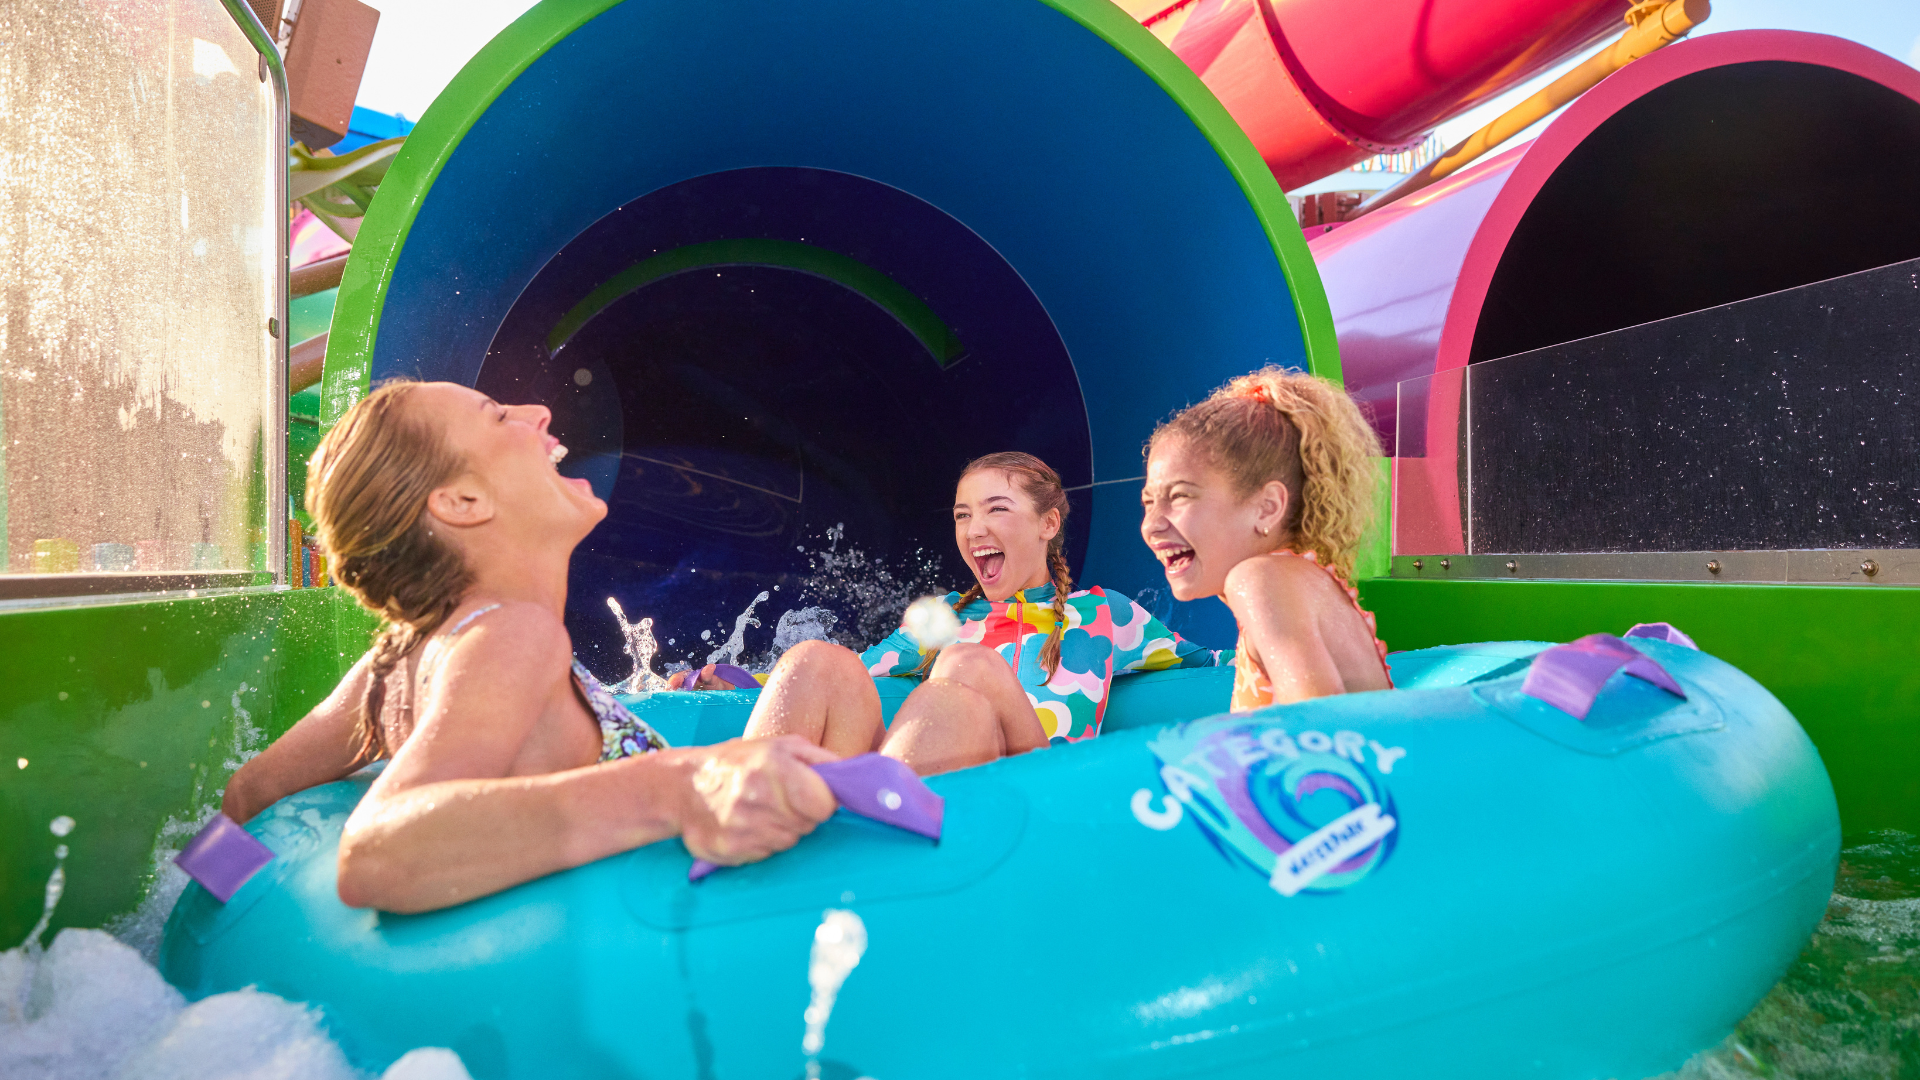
1310,810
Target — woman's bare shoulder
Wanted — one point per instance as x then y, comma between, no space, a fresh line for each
1277,570
515,634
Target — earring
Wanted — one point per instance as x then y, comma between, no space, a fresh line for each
1261,531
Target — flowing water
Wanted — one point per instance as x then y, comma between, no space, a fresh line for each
1849,1008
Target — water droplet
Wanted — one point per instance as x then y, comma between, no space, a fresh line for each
61,825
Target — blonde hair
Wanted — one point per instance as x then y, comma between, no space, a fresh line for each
1303,431
367,488
1042,485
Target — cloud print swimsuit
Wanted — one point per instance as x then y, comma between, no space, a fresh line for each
1107,634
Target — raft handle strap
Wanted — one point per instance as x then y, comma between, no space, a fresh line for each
873,786
1569,677
223,856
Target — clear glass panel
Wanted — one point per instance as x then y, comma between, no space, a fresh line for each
1785,422
1427,465
139,234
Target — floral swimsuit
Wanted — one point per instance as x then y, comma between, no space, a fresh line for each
1107,634
1251,688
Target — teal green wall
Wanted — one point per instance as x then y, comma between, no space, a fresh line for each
1842,658
126,715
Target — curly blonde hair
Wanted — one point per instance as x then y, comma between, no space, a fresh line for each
1276,424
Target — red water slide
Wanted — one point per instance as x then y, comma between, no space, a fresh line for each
1321,84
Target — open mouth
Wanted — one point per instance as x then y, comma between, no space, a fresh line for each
1176,560
988,562
557,454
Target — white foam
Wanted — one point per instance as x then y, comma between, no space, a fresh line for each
89,1006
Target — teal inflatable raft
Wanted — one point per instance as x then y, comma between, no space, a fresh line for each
1452,879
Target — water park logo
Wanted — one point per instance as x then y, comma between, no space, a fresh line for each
1308,811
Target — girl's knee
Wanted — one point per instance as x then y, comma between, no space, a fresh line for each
970,663
821,657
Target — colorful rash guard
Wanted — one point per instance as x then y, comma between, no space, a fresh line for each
1107,635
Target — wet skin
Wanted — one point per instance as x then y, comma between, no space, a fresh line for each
971,709
495,777
1295,621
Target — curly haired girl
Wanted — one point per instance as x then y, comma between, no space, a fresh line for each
1259,495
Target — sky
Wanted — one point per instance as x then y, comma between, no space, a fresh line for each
422,44
1892,26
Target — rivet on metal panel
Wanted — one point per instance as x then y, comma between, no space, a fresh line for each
1869,568
1512,567
1446,564
1713,566
273,328
1417,564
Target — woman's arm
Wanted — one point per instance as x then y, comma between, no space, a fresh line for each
444,843
1278,612
318,750
446,822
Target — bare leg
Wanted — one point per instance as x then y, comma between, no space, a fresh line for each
971,710
822,693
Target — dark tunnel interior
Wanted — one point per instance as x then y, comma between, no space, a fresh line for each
749,367
1725,184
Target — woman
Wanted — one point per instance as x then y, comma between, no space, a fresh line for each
1034,662
442,511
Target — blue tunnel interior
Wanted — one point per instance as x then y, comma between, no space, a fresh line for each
741,418
780,274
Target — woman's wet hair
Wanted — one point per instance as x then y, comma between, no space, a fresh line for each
367,488
1042,486
1303,431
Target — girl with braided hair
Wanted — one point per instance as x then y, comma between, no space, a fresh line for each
1034,660
444,514
1259,495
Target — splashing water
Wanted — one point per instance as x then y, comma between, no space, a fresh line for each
801,624
1850,1005
931,621
641,646
141,927
838,943
869,589
56,884
90,1007
729,653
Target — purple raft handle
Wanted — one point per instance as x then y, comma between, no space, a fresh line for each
873,786
1660,631
222,857
1569,677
